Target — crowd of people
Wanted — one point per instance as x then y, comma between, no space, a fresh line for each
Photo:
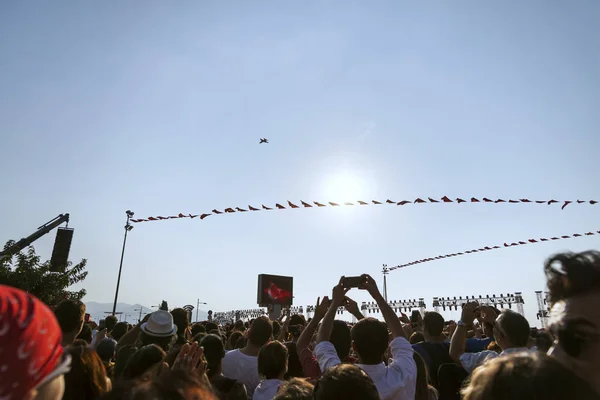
489,354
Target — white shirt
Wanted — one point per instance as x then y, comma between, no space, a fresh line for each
395,381
470,361
237,365
266,389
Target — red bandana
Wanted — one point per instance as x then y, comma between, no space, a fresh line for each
30,342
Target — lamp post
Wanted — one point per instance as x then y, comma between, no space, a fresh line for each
385,272
198,306
128,227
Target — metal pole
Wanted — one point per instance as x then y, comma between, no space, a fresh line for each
385,272
197,306
128,227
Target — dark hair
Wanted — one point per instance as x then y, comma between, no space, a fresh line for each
297,319
198,328
120,329
416,337
86,333
422,386
528,375
341,339
106,349
164,342
570,274
214,352
199,336
544,341
345,381
272,359
211,326
239,324
143,361
433,323
123,355
370,337
261,331
110,322
87,377
180,318
294,365
172,385
295,389
70,315
515,327
241,342
233,339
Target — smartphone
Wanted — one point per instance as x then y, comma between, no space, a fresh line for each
414,317
352,281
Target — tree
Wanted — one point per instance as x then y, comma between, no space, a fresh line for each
25,271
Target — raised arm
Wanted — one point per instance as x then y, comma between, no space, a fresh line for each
392,321
338,294
352,307
459,338
307,333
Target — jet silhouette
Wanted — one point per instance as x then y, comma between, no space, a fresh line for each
263,140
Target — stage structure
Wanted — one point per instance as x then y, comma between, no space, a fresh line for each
543,302
493,301
397,306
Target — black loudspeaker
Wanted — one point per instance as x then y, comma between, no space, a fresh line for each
60,253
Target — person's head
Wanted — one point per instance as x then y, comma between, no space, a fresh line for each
106,349
87,378
370,340
543,341
241,342
295,320
124,353
525,376
199,336
417,337
345,381
211,326
214,351
85,334
180,318
159,330
110,322
272,360
295,389
574,286
511,329
172,385
341,339
143,361
294,364
27,321
433,325
260,332
239,326
233,338
119,330
70,315
198,328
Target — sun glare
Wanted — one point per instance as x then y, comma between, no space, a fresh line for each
344,187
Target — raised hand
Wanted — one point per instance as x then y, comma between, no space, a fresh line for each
338,294
351,306
468,313
191,359
322,307
369,284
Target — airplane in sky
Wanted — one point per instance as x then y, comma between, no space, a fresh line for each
264,140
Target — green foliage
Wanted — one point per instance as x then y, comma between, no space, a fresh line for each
25,271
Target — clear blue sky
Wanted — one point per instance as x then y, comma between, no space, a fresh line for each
158,106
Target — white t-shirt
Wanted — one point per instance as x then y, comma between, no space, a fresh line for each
243,368
266,389
395,381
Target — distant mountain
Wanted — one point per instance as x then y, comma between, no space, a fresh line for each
130,312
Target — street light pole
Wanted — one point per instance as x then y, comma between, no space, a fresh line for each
385,272
128,227
197,307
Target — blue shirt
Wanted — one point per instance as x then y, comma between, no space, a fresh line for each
475,345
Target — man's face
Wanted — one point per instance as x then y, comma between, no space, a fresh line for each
575,323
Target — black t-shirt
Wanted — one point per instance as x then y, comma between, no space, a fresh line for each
228,389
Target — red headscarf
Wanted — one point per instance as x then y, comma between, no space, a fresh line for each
30,342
